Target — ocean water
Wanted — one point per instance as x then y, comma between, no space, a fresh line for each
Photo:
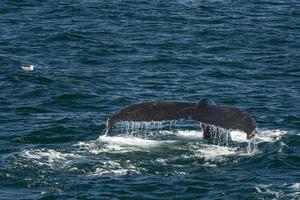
94,57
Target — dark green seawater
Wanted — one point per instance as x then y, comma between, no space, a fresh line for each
93,57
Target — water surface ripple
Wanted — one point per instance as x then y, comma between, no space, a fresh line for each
94,57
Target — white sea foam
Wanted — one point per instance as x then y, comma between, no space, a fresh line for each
123,144
276,191
215,152
120,144
190,134
49,157
238,136
265,189
98,147
187,142
295,186
129,141
211,153
269,135
115,168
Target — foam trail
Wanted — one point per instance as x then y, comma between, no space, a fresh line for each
49,157
215,152
116,168
130,141
189,134
269,135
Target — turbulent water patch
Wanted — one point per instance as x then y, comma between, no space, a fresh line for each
129,155
185,144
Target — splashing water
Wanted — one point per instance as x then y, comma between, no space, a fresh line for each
252,147
155,129
142,129
217,135
223,137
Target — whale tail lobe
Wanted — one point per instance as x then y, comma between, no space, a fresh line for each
205,111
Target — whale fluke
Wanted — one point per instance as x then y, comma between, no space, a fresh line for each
205,111
152,111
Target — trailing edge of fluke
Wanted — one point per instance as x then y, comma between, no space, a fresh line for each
205,111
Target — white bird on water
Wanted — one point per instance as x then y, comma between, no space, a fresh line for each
28,68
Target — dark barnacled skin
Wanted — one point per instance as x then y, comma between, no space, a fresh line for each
205,111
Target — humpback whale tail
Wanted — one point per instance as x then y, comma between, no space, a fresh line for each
205,111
